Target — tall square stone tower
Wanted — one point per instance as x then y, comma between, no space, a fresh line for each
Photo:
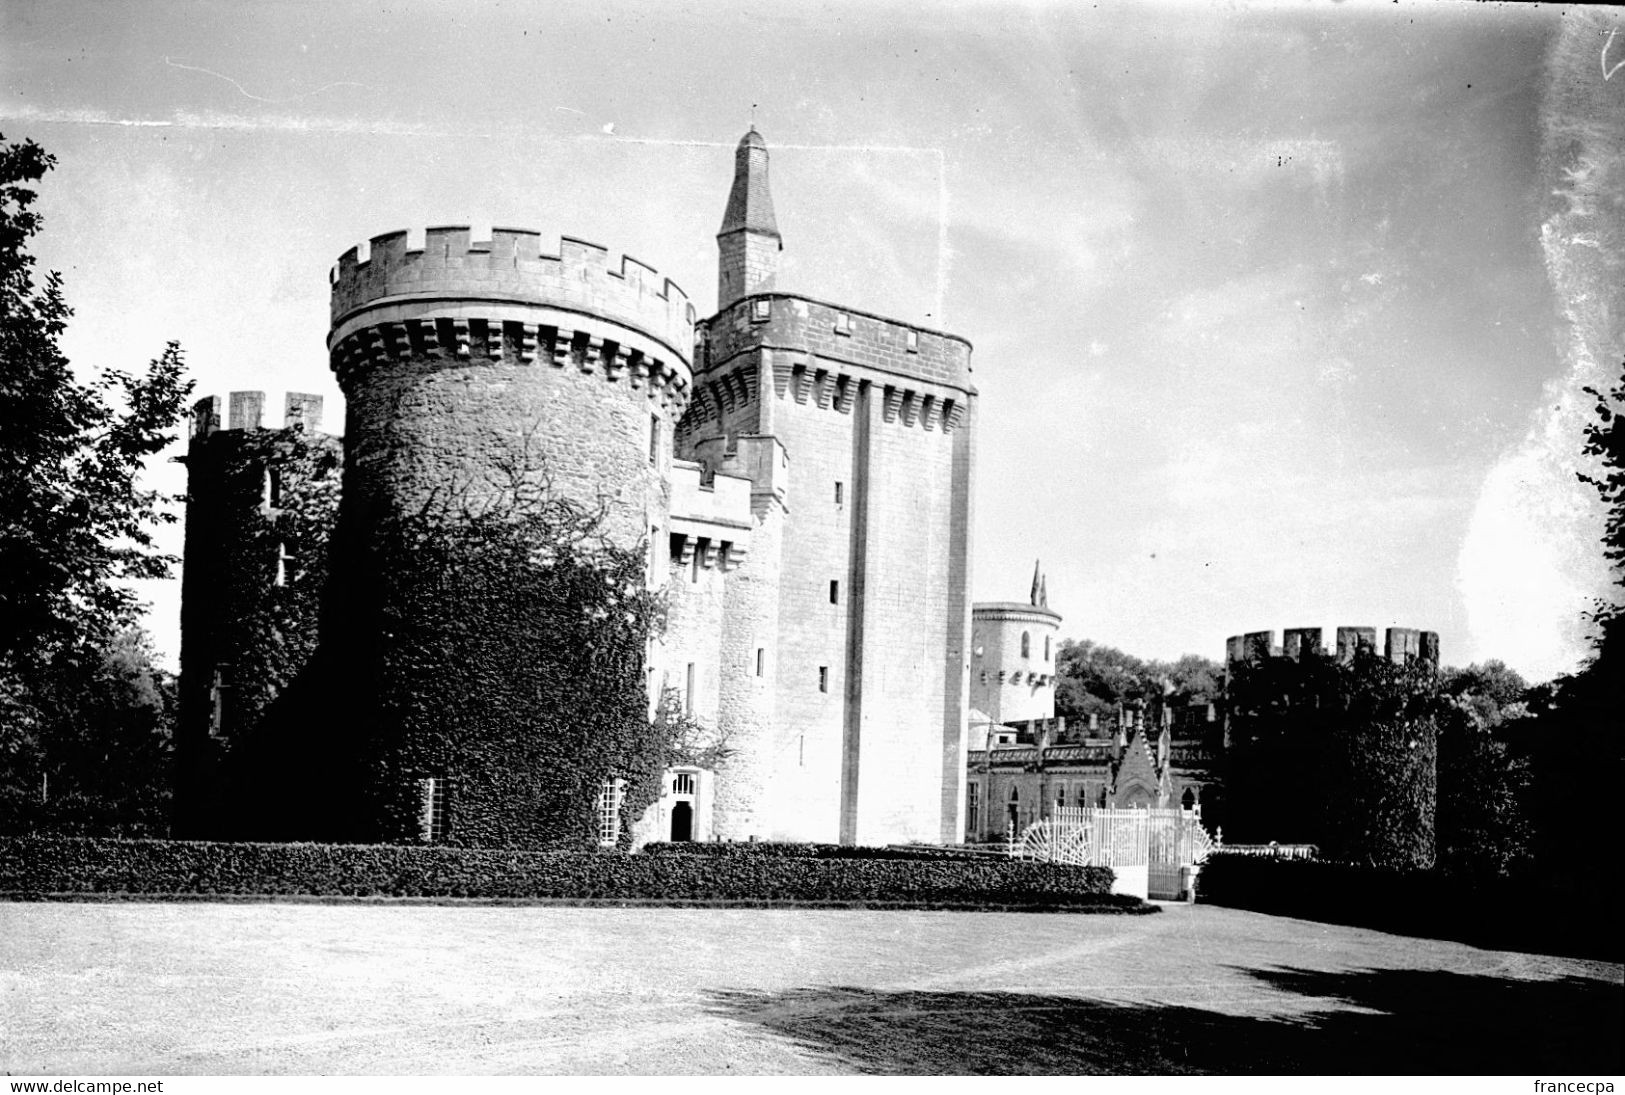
870,550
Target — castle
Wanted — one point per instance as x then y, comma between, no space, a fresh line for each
800,470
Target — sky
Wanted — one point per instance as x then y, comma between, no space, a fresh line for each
1282,313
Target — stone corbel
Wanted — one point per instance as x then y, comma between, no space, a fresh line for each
930,411
529,334
561,347
846,392
801,382
685,549
429,336
910,408
708,557
615,364
459,332
893,404
593,355
493,339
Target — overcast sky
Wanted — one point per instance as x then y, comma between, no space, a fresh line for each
1281,312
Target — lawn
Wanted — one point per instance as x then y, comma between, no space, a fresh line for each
204,988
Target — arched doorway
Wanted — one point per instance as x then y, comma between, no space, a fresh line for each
682,822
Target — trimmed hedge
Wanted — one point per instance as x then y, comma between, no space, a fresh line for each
1498,913
771,849
38,866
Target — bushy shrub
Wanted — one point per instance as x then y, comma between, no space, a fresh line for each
813,851
1502,913
44,866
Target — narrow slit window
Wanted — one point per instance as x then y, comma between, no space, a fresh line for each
761,660
834,592
840,492
688,693
913,343
654,439
823,678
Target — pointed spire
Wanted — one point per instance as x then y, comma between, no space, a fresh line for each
1037,583
749,241
1043,592
750,202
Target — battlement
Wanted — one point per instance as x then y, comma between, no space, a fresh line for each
510,268
802,326
710,516
1401,644
300,411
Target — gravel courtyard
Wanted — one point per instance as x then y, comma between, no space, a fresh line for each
165,989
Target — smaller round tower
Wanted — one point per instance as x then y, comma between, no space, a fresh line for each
1013,649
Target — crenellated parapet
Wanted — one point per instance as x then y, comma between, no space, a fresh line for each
300,411
1401,644
822,355
511,267
455,300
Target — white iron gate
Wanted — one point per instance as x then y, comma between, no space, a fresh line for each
1150,850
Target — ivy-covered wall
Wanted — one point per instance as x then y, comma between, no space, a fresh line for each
502,654
260,510
1341,754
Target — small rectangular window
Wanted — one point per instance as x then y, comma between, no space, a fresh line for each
761,660
823,678
843,323
273,487
834,593
654,439
840,491
761,311
914,342
434,795
610,795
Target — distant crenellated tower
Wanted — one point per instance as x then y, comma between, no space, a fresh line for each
1013,656
866,622
260,504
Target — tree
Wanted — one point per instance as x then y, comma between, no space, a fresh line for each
1095,679
96,756
75,523
689,742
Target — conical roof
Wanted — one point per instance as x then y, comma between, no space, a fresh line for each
750,203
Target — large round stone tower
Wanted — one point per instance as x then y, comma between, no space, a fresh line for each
481,378
464,362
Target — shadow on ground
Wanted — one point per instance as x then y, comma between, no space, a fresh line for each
1412,1022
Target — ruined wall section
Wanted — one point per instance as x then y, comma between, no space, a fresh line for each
261,504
